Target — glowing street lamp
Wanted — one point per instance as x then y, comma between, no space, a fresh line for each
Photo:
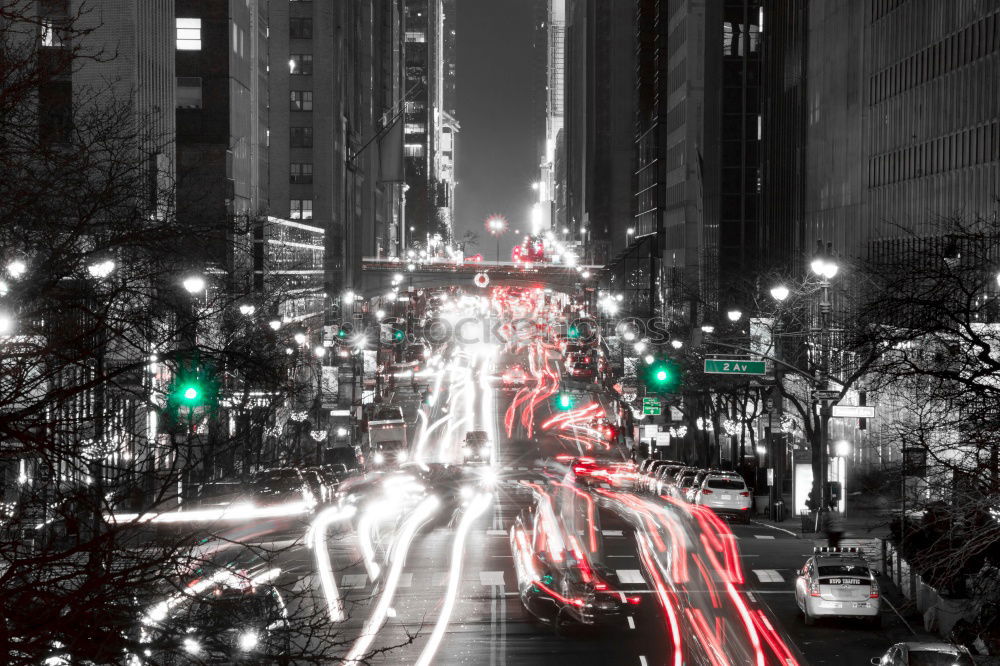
7,324
195,284
16,268
734,315
247,309
779,292
496,225
101,269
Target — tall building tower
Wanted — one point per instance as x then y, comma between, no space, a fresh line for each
222,121
429,161
552,40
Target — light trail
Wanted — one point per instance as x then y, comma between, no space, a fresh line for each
420,515
476,509
237,511
317,541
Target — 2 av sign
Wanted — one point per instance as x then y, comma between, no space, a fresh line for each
715,366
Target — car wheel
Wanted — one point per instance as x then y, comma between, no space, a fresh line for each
807,619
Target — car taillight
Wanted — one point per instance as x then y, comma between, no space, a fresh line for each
744,494
600,586
706,491
814,589
874,592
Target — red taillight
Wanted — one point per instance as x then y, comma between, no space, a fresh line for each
874,592
634,600
706,491
814,589
744,494
600,586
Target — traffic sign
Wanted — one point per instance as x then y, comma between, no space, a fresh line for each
721,366
853,412
826,395
482,280
651,407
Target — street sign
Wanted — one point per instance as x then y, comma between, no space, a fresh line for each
719,366
853,412
826,395
651,406
482,280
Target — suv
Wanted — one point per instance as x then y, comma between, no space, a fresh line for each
837,582
648,479
664,478
726,494
698,479
476,448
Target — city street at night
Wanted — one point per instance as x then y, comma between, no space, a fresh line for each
500,332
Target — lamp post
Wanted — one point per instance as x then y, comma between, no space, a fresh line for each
825,268
496,225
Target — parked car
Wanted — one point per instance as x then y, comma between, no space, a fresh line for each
682,482
278,486
924,654
837,582
581,366
725,494
646,481
664,478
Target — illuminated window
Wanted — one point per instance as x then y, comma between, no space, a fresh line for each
189,34
413,150
188,92
415,128
301,209
415,37
301,64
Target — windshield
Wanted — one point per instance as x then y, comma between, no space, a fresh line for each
929,658
726,484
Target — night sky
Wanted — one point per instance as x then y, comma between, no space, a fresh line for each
497,154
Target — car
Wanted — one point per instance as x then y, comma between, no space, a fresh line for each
649,472
322,491
838,582
280,485
581,366
514,377
691,492
564,585
725,494
924,654
476,448
229,618
664,478
614,473
682,482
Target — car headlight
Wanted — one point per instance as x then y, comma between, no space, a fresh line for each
378,458
467,451
402,456
248,640
191,646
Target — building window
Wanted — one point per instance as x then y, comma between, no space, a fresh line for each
188,92
300,173
416,37
415,107
301,137
301,209
415,128
413,150
52,34
301,63
189,34
300,100
300,28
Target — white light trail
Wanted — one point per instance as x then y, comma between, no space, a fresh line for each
239,511
420,515
476,509
317,542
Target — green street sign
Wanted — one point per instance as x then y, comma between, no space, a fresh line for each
651,406
717,366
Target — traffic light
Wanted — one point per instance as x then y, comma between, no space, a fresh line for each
573,333
195,387
661,376
564,401
344,332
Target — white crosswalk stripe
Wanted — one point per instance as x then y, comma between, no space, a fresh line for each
354,581
768,576
631,577
763,536
491,578
613,533
496,532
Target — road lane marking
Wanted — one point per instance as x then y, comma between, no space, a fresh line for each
775,527
613,533
642,661
496,532
491,578
631,577
355,581
763,536
768,576
631,622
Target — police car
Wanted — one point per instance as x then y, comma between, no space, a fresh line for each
838,582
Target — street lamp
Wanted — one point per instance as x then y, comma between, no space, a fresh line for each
496,225
101,269
676,344
300,338
319,351
779,292
7,324
247,309
16,268
707,328
194,284
734,315
275,324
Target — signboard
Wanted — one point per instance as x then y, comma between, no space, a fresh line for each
651,406
852,412
826,395
482,280
716,366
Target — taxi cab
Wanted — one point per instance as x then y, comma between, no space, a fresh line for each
838,582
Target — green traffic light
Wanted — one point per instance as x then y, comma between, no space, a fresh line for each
661,375
565,401
573,333
341,334
398,335
190,393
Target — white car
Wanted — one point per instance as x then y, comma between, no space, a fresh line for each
924,654
725,494
837,582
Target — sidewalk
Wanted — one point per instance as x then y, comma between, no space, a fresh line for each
861,521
